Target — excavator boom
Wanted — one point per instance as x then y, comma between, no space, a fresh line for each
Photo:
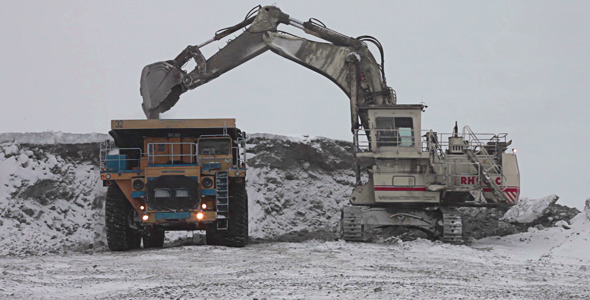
344,60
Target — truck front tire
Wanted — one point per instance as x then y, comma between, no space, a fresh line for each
236,234
118,217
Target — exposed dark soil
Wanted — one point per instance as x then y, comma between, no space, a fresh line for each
78,153
318,155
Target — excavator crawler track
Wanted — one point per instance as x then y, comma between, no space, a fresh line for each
452,225
351,224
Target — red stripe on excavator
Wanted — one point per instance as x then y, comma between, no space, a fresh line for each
510,192
508,189
399,189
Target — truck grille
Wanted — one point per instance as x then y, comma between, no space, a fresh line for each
172,193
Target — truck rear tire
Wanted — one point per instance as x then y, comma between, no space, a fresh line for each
236,234
153,238
118,215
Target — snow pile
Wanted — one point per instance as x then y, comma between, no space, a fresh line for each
297,186
52,137
48,204
576,241
565,244
529,210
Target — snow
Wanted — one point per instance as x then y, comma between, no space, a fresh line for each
47,205
295,138
528,210
52,137
310,270
279,206
555,244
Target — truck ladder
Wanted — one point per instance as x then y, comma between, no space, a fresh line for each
222,195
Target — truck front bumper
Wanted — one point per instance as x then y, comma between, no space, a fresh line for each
194,216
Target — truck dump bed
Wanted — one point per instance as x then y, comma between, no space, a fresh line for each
131,133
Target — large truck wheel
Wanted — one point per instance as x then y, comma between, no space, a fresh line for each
118,217
236,234
153,238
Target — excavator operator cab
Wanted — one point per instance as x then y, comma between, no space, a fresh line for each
395,128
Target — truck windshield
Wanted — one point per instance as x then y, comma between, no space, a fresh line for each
214,146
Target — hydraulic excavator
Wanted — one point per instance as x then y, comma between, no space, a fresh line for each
404,176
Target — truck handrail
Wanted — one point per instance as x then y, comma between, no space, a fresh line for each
192,155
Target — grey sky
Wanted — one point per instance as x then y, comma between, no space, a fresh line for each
499,66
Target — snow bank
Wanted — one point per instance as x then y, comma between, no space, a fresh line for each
47,204
528,210
566,244
52,137
297,187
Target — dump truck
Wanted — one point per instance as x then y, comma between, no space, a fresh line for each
405,176
165,175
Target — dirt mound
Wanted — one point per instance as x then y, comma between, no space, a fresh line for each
49,203
538,213
297,186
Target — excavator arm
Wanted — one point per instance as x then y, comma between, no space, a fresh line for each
346,61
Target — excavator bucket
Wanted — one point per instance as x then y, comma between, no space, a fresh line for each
160,87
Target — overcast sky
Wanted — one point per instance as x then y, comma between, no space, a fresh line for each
521,67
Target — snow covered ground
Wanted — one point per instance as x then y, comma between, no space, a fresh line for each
310,270
52,238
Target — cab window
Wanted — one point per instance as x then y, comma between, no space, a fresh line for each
395,131
214,146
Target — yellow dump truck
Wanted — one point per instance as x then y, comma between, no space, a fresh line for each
165,175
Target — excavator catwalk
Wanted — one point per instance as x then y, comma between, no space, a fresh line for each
405,176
